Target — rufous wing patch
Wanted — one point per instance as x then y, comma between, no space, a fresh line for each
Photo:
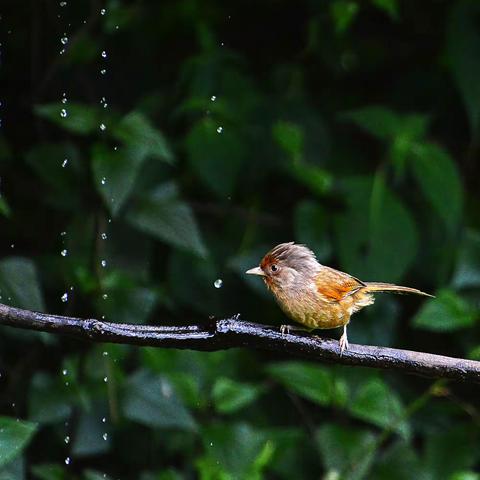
335,285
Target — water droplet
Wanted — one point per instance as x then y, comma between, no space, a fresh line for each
103,127
105,436
64,164
104,236
103,71
63,113
67,439
104,420
64,100
218,283
103,263
103,181
64,372
104,296
105,379
63,4
64,40
67,461
104,54
105,354
65,297
213,98
64,252
102,11
219,129
63,234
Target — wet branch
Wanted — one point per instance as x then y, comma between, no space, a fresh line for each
233,332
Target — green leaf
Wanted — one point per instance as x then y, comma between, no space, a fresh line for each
346,452
379,246
439,179
465,476
230,396
93,475
115,173
91,436
141,139
377,120
390,7
4,208
467,272
445,313
445,452
343,13
291,139
48,401
19,284
310,223
74,117
216,156
49,471
151,401
377,403
234,451
14,437
162,214
463,48
399,462
307,380
14,470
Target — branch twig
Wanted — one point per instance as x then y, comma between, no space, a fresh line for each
232,332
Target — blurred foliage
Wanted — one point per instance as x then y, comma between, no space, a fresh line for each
150,152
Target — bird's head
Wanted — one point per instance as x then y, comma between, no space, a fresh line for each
288,265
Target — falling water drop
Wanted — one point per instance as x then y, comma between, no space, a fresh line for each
64,164
219,129
64,252
218,283
65,297
63,113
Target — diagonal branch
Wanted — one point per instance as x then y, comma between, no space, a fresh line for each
232,332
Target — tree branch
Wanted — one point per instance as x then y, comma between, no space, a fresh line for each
232,332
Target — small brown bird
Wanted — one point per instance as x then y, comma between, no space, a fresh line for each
315,295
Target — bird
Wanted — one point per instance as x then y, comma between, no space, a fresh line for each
314,295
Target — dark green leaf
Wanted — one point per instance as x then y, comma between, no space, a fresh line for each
49,471
377,403
14,437
290,137
307,380
19,284
164,215
234,451
151,401
75,117
445,451
114,173
438,176
216,154
310,220
467,272
346,452
390,7
376,120
230,396
445,313
463,48
141,139
381,245
343,13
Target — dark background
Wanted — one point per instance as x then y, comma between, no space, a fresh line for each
132,181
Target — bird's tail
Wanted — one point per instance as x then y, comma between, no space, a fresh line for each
390,287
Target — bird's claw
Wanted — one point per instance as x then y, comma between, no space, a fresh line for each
343,343
284,329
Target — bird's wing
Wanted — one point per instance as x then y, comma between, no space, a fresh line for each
335,285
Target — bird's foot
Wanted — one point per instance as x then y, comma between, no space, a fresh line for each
285,329
343,343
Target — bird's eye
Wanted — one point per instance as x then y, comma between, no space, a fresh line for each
274,268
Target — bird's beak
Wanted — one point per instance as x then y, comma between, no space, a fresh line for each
256,271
